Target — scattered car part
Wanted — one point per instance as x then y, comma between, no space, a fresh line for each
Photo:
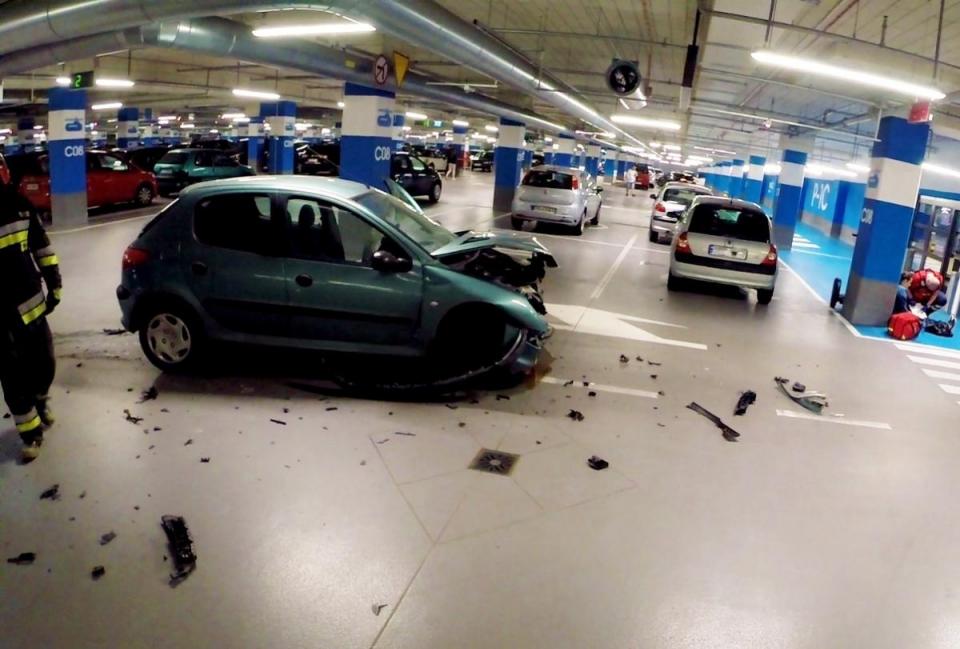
181,547
106,538
278,421
188,442
53,493
836,297
23,559
729,434
406,434
205,460
131,418
624,359
575,415
149,394
97,572
378,607
815,402
597,464
798,387
747,399
114,332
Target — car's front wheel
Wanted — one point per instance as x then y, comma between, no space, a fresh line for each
435,192
596,217
654,237
764,295
172,338
581,224
144,195
674,283
515,223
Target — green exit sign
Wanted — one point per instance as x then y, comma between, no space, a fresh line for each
82,80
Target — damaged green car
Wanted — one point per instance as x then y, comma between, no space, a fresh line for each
334,266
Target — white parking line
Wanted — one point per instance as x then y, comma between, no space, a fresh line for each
53,232
613,269
938,374
949,389
600,387
936,362
926,349
792,414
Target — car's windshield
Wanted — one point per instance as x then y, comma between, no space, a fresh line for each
173,158
548,179
429,234
681,195
730,222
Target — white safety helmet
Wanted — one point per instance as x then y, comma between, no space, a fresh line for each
932,282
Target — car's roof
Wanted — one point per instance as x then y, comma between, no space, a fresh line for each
566,170
326,186
728,202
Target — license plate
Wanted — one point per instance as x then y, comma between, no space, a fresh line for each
32,187
727,252
541,208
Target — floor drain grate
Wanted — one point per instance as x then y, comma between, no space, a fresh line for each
494,462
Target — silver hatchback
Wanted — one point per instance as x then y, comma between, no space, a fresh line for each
554,194
668,204
724,241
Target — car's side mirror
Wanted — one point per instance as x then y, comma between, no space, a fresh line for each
599,190
654,196
387,262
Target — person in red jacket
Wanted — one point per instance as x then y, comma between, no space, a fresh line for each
27,363
926,288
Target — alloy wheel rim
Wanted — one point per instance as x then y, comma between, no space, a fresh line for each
145,195
169,338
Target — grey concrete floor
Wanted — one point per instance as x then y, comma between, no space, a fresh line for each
808,532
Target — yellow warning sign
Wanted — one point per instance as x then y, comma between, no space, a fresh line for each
401,62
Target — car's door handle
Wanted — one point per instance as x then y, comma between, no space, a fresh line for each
198,268
304,280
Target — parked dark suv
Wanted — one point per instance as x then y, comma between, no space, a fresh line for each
415,176
482,161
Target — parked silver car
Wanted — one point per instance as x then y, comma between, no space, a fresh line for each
724,241
668,204
554,194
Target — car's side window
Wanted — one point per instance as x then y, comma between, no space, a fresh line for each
417,164
112,163
403,163
203,159
225,161
326,232
239,221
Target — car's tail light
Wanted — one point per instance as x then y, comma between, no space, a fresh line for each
771,258
133,257
683,246
660,208
576,183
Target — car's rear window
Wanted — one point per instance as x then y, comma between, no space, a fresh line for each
173,158
730,222
680,195
642,168
548,179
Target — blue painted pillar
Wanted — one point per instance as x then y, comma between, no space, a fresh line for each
365,142
610,167
398,123
282,118
593,159
789,198
506,163
563,157
128,128
753,182
723,177
548,153
68,162
736,179
527,158
255,138
621,165
884,232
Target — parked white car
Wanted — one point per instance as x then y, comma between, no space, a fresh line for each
724,241
554,194
668,204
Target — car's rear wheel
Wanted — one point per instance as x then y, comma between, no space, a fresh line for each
144,195
674,283
654,237
515,223
435,192
171,337
581,224
764,295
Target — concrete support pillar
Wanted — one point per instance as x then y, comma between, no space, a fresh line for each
150,135
789,198
282,118
399,120
753,182
736,179
593,159
68,161
128,128
255,138
506,163
887,218
563,156
366,135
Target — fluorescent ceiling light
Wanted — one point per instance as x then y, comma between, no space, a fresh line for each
63,81
548,139
340,104
114,83
5,131
302,126
38,127
460,122
858,167
715,151
405,128
630,120
324,131
491,128
317,29
186,125
233,116
256,94
810,66
107,105
213,130
937,169
671,147
166,118
415,115
491,139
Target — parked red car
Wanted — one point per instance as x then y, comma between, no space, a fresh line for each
110,180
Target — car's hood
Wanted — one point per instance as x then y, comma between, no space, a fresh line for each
471,241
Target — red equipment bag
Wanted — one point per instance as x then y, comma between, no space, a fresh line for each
904,326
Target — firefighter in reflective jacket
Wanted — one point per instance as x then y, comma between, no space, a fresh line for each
27,363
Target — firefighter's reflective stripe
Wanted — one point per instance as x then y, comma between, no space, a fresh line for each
16,238
58,293
32,308
49,260
27,422
21,225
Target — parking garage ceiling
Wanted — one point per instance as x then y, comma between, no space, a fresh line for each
574,41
